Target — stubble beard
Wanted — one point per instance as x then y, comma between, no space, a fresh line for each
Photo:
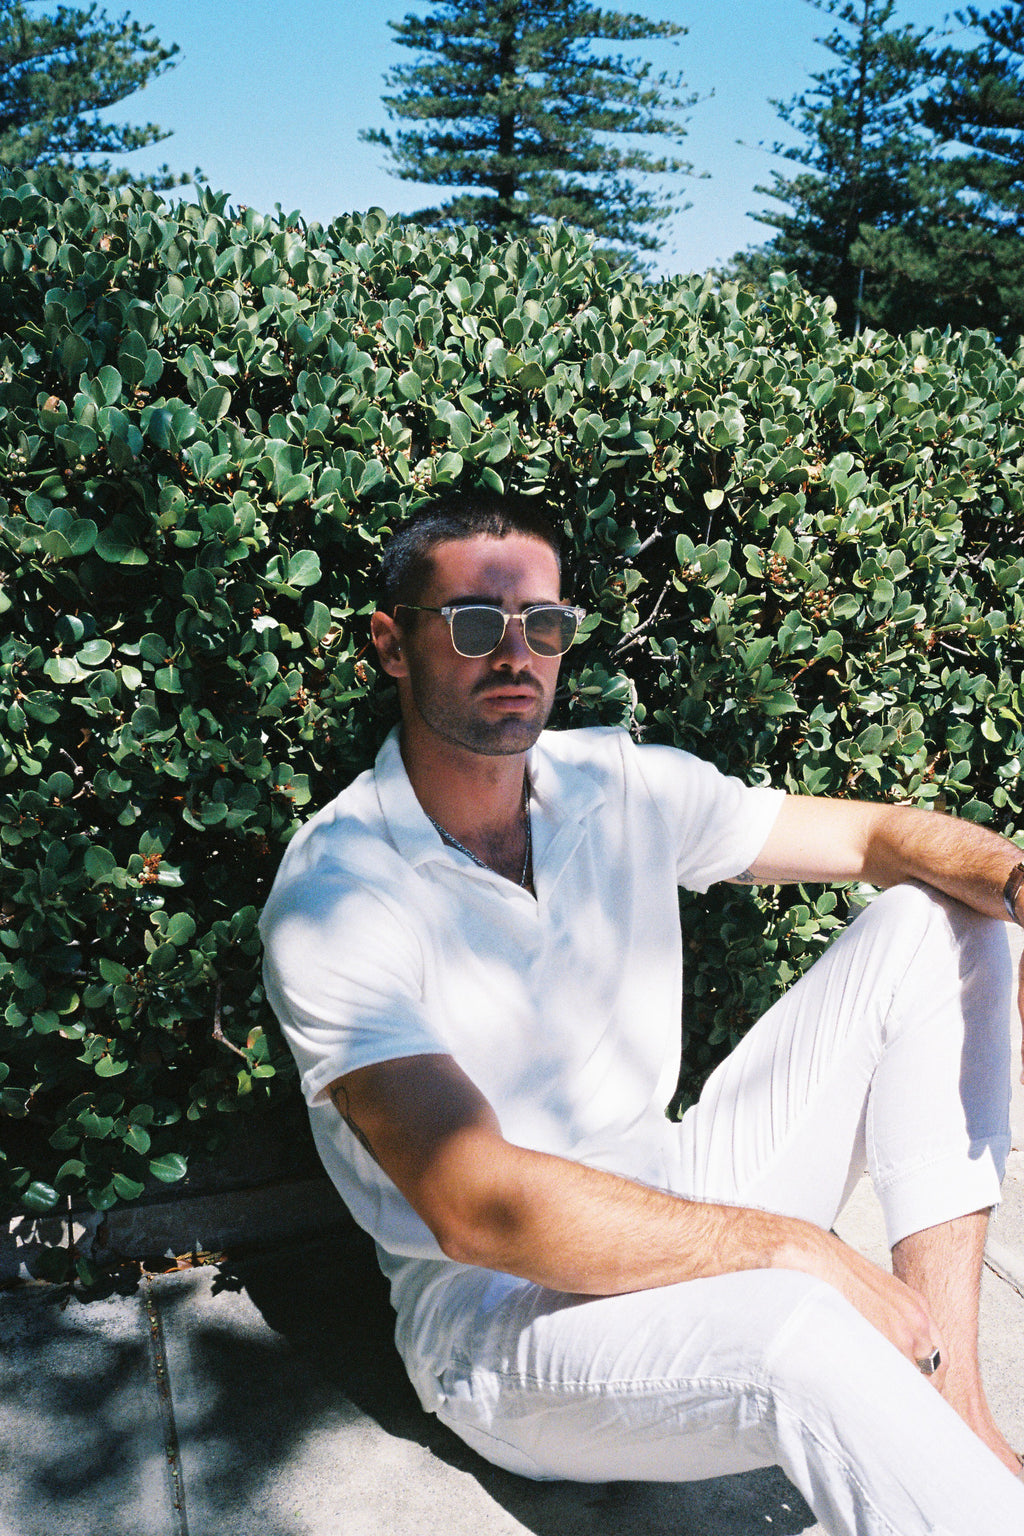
455,722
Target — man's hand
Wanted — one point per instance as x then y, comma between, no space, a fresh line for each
577,1229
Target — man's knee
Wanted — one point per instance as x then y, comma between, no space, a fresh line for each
923,919
922,906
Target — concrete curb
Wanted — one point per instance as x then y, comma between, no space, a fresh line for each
287,1209
1006,1263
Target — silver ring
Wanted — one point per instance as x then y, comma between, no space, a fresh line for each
930,1364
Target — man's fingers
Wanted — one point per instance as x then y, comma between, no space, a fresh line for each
933,1365
928,1352
922,1343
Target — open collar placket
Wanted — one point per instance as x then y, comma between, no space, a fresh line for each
561,796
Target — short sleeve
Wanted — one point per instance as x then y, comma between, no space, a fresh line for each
343,969
716,824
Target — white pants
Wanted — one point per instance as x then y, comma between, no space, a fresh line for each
893,1050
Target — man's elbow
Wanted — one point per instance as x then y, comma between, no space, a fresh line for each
464,1245
484,1228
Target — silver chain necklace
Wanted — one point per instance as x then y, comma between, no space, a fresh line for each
453,842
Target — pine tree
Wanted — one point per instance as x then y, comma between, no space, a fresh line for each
59,71
865,157
956,260
521,114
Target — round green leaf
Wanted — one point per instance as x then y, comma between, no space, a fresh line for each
181,928
214,403
109,381
127,1188
168,1168
94,653
39,1197
303,568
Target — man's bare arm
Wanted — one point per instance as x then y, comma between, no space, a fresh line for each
836,840
577,1229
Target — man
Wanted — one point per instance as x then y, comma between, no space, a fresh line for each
474,952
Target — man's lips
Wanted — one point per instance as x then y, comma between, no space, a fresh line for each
510,697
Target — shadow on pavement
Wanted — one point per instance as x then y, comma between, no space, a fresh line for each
82,1449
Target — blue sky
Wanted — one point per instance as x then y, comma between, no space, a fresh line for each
269,96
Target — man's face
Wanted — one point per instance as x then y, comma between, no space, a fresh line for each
495,705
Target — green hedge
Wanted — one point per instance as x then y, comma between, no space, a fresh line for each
800,557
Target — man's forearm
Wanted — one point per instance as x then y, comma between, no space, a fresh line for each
839,840
580,1230
549,1219
960,858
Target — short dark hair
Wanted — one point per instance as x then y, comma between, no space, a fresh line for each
405,563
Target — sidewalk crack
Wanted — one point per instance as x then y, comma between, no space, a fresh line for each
172,1452
1005,1263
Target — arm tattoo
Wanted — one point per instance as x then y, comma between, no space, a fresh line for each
340,1100
745,877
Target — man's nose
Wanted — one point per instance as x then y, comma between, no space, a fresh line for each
513,648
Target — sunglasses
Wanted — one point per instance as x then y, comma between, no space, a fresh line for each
477,629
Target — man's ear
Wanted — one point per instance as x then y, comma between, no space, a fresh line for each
386,634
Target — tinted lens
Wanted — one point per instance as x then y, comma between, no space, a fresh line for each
477,631
550,631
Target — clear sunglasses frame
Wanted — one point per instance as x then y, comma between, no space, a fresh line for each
529,618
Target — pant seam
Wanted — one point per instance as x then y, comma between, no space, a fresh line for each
623,1386
825,1451
909,1173
806,1433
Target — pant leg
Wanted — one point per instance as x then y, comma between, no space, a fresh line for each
892,1050
718,1376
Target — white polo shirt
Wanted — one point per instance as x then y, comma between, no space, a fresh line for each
565,1009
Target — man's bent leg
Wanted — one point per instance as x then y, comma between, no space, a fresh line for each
893,1049
723,1375
720,1376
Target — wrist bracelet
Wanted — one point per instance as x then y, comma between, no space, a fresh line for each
1011,890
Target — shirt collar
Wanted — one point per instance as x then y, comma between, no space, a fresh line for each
562,794
408,824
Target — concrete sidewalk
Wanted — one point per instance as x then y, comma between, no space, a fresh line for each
277,1408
